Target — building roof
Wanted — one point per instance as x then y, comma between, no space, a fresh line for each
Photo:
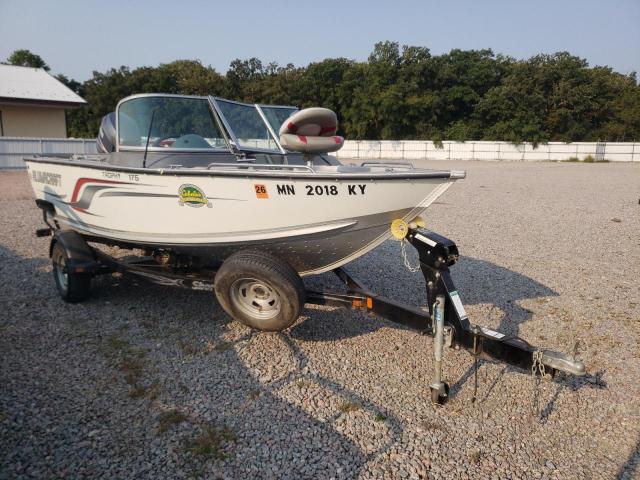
34,85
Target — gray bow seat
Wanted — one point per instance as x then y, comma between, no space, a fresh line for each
312,130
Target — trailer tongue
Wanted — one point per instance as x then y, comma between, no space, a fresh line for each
447,322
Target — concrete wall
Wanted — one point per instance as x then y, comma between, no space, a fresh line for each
13,150
32,121
410,150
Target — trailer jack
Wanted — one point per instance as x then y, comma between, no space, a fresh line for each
447,321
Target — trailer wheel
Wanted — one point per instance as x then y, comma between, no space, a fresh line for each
437,398
260,290
72,287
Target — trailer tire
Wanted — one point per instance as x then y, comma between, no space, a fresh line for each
72,287
260,290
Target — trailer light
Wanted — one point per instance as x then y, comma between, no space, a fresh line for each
362,302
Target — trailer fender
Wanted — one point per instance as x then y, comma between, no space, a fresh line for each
80,256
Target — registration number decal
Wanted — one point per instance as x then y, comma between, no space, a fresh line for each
261,191
323,190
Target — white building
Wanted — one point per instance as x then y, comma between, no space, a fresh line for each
33,103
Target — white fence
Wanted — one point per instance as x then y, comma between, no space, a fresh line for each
14,149
472,150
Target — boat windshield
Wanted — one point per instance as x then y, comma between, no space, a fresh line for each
252,127
276,116
178,123
188,123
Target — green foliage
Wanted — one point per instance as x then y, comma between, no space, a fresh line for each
170,418
103,91
26,58
70,83
592,159
402,92
348,407
213,441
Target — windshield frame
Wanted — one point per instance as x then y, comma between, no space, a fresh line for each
228,135
132,148
266,120
234,139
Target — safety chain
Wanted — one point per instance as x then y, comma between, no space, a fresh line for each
537,367
478,343
406,258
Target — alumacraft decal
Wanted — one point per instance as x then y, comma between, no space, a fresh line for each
193,196
48,178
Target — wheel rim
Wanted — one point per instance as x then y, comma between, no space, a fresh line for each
61,273
255,298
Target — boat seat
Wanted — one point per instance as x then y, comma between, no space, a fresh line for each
191,140
312,130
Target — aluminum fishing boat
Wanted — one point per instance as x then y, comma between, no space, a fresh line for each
243,200
206,177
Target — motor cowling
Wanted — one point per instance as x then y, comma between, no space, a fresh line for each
106,141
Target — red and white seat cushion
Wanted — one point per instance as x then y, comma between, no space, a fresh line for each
312,130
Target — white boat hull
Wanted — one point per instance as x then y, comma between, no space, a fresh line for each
315,222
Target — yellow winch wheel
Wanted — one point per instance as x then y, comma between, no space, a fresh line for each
399,229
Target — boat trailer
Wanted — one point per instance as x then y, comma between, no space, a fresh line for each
446,320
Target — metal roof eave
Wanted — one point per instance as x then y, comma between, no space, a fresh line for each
36,102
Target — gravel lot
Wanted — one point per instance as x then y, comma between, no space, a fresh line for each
146,381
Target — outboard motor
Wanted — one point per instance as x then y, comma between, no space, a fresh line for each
107,135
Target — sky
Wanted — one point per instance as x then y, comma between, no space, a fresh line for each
76,38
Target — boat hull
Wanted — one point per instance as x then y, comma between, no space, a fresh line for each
314,222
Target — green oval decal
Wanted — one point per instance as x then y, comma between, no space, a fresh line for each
191,195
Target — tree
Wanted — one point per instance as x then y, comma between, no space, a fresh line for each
243,78
26,58
404,92
69,82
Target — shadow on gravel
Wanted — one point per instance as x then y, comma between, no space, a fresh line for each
630,467
163,321
479,282
482,282
173,325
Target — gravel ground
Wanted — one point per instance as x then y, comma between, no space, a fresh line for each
146,381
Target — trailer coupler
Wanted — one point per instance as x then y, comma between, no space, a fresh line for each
447,320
